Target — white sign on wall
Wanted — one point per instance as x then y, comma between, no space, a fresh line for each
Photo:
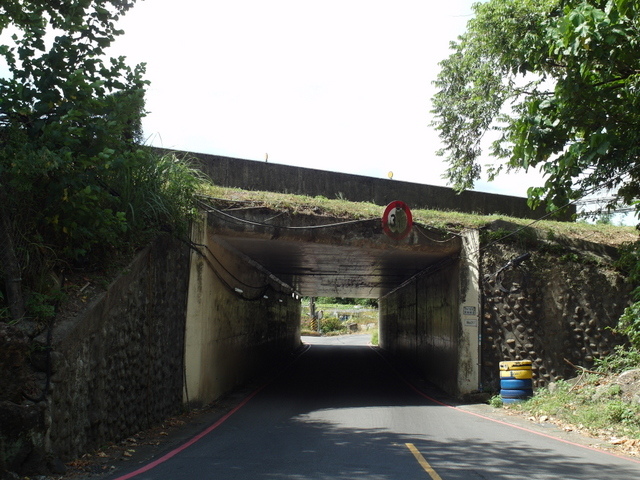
469,310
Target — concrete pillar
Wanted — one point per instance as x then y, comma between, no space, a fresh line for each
199,302
469,314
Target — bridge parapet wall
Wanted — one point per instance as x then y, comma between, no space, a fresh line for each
272,177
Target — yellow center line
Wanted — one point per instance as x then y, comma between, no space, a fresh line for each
421,460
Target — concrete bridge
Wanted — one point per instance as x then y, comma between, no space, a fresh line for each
427,283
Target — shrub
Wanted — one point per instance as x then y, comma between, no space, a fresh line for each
331,324
629,324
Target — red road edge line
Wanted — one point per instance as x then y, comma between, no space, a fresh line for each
202,434
438,402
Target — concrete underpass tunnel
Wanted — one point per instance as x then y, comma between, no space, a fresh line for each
251,267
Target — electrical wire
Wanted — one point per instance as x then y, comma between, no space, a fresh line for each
438,267
238,280
260,295
263,289
524,227
512,264
454,258
220,213
420,229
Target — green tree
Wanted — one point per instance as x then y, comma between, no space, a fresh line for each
558,80
75,181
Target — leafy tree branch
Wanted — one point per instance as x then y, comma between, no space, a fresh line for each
558,79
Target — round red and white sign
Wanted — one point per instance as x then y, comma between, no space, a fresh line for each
397,220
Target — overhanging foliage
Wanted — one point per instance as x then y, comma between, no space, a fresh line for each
76,184
558,80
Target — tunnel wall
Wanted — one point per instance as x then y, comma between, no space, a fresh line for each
232,336
418,324
432,321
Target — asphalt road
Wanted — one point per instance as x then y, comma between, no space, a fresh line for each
343,412
354,339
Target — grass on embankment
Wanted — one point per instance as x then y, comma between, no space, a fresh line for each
447,221
592,405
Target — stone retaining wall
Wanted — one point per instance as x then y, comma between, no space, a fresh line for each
557,308
118,367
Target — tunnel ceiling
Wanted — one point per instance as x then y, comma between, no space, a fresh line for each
322,256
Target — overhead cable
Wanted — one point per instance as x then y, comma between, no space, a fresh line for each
219,212
210,209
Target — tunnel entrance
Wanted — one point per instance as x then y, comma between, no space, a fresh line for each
324,256
268,260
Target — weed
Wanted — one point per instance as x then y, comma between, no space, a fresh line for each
623,358
627,414
629,324
523,236
579,405
570,258
614,390
552,249
490,236
4,311
43,306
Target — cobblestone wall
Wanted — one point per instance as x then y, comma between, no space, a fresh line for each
118,367
555,308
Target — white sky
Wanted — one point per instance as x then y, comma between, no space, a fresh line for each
342,85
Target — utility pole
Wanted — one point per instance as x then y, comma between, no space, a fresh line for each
312,307
314,315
